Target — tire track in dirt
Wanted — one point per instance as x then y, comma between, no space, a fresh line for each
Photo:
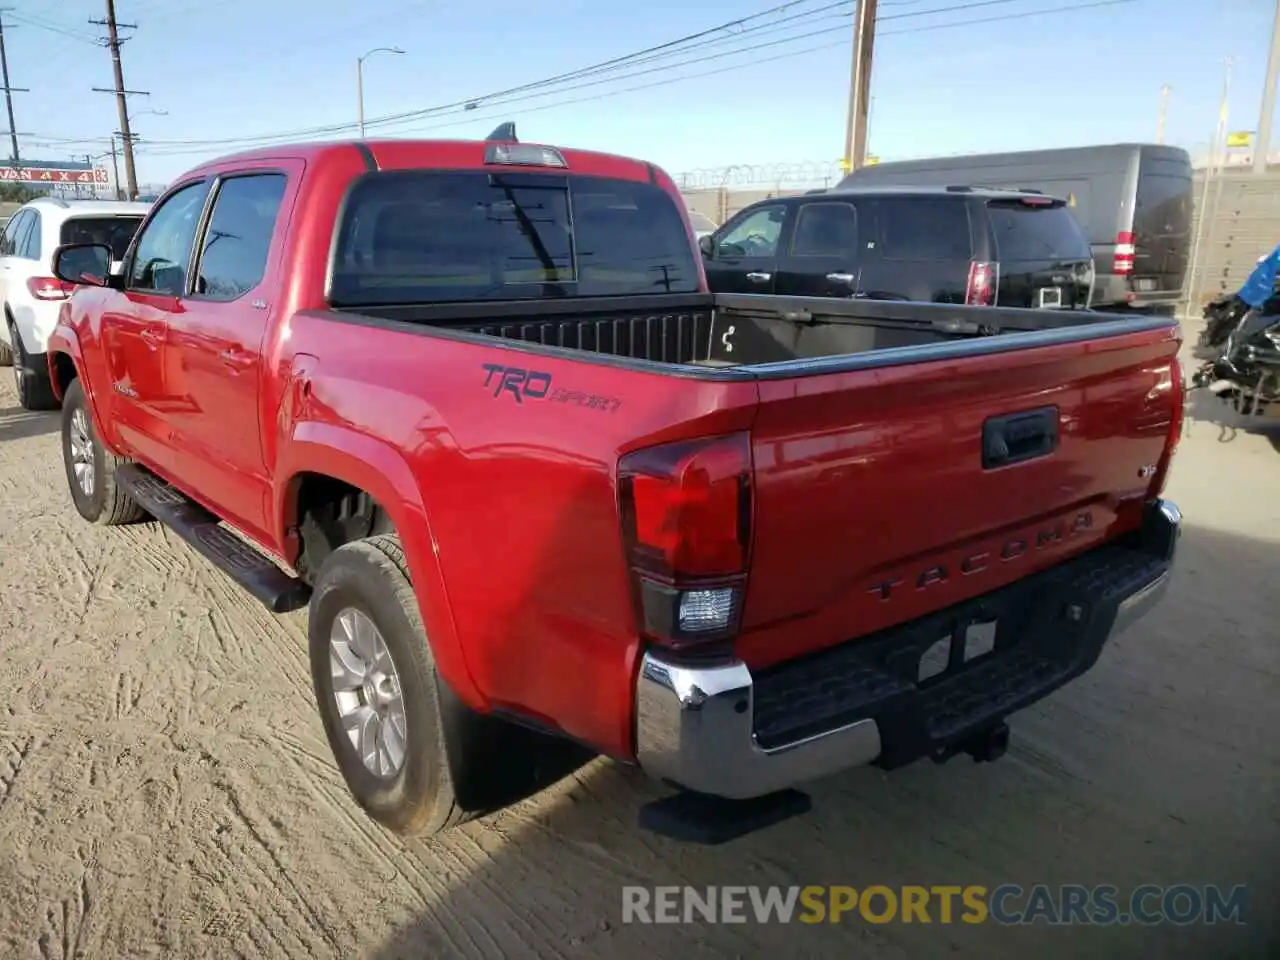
12,758
253,859
246,620
316,774
65,925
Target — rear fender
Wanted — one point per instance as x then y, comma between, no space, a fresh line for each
381,471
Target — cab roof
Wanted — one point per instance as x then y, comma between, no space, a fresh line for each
430,154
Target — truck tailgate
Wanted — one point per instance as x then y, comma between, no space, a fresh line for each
885,494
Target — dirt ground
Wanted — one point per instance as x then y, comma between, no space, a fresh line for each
166,790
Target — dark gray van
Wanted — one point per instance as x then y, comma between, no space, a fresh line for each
1133,200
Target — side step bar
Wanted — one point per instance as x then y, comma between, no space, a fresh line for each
248,567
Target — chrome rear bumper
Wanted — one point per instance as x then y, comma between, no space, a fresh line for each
696,724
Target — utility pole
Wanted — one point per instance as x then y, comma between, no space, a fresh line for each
8,90
113,43
864,38
1164,112
1205,216
1262,142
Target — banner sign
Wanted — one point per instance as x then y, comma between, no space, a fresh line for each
52,175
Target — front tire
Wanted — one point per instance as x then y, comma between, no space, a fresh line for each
91,468
376,685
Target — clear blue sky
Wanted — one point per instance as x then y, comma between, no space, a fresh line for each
242,68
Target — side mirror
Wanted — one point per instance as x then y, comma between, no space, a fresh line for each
706,245
86,264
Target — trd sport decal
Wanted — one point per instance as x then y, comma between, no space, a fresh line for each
520,384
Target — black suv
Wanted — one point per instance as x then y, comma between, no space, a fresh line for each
960,244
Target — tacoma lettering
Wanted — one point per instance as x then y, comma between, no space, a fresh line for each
1011,550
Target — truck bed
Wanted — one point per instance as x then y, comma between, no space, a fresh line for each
758,335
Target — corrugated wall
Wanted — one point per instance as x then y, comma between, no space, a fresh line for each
1241,223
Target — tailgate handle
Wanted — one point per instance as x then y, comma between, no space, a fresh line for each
1017,437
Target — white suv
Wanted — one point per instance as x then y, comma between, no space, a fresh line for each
32,295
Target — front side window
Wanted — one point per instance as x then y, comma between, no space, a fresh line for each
233,258
163,254
436,237
12,232
755,235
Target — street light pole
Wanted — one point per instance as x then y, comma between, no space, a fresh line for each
1262,142
1164,112
360,82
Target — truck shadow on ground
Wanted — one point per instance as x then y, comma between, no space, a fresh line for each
17,423
1204,408
1155,767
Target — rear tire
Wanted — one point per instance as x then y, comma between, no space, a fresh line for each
35,389
393,753
91,468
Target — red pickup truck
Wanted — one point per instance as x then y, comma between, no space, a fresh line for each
472,403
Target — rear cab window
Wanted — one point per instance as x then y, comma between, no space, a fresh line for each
457,236
924,228
1036,229
115,232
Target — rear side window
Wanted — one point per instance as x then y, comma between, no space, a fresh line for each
434,237
923,228
116,232
826,230
1025,232
233,257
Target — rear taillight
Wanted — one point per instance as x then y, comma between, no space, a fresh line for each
686,522
1125,251
49,288
980,291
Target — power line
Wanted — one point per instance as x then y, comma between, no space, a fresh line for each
610,64
500,110
28,20
667,50
952,9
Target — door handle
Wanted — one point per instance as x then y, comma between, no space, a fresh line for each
1017,437
152,336
757,277
235,358
840,277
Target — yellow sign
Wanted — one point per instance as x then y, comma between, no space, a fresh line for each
872,160
1241,138
1071,199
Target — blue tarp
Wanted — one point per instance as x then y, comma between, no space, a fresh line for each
1261,285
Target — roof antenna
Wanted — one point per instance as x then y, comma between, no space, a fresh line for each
505,132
